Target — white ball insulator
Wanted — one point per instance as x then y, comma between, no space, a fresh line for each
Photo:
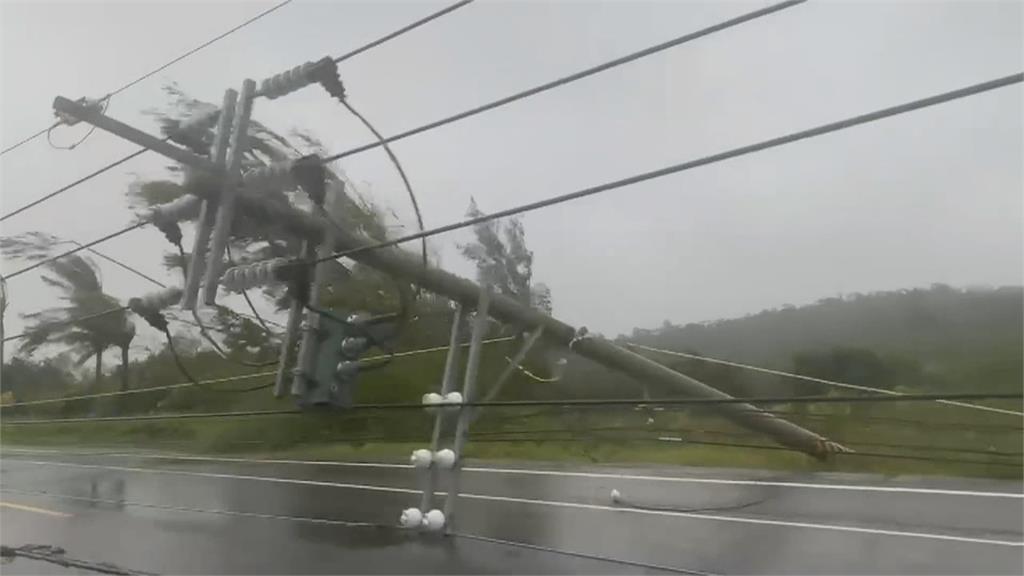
432,399
411,518
433,520
453,398
444,459
616,496
421,458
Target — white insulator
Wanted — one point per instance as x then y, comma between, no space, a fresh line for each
433,520
157,300
411,518
287,81
432,398
177,210
444,459
453,398
421,458
251,275
616,496
276,176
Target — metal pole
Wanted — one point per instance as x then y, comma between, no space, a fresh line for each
291,335
104,122
3,312
451,363
229,192
465,413
308,345
513,363
208,209
402,264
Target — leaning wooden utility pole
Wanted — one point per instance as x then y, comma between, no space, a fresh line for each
404,265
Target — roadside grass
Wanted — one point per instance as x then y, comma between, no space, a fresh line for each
551,438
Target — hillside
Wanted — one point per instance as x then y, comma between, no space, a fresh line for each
958,334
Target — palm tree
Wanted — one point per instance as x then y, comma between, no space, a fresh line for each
82,292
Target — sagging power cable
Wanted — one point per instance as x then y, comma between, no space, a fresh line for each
873,389
57,555
687,165
141,151
159,69
576,76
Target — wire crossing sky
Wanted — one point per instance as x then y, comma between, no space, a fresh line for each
871,198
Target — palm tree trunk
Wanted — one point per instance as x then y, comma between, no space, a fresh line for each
99,369
124,368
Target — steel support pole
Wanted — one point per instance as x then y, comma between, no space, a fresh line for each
513,363
286,357
208,208
451,373
402,264
104,122
309,344
229,191
466,413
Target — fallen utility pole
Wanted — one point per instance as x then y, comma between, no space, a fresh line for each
402,264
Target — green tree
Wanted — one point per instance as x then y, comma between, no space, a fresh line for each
78,281
501,256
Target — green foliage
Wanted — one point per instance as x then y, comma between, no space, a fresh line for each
501,256
77,280
31,380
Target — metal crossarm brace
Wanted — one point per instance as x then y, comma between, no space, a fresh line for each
468,390
208,209
451,373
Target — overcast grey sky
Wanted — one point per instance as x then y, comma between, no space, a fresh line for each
932,196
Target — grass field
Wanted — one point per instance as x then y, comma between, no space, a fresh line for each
884,441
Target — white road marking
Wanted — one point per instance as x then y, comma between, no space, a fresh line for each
43,511
553,503
850,487
227,476
569,474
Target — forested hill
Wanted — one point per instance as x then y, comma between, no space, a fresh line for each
953,332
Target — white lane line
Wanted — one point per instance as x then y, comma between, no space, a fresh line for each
849,487
43,511
553,503
349,525
592,475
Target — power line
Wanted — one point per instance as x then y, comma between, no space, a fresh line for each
215,380
811,378
598,557
345,523
402,30
69,321
67,187
56,555
28,139
162,68
104,313
80,247
401,174
200,510
529,403
974,426
858,419
200,47
576,76
346,56
690,164
676,430
120,263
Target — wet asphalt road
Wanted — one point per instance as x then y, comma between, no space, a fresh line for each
184,515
